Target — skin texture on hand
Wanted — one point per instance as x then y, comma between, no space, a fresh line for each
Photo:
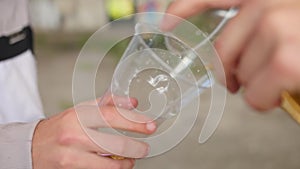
61,143
259,48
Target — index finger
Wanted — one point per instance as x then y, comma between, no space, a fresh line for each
118,101
108,116
188,8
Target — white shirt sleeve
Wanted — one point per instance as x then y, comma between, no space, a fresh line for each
15,145
20,99
13,16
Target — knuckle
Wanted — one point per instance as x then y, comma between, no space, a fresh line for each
270,21
284,69
67,117
265,24
66,138
108,113
69,133
278,63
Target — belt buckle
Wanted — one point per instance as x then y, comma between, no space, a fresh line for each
17,37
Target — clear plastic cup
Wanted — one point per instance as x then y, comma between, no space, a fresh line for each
166,72
161,71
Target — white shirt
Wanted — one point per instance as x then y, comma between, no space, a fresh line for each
19,97
13,16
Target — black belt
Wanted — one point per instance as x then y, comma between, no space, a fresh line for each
15,44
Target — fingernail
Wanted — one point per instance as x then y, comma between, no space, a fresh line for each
233,85
104,155
151,126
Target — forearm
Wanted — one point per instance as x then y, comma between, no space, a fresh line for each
15,145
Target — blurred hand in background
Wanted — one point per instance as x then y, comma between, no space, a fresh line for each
259,48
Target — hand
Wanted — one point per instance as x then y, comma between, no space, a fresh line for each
60,142
259,48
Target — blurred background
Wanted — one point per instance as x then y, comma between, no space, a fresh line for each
245,139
